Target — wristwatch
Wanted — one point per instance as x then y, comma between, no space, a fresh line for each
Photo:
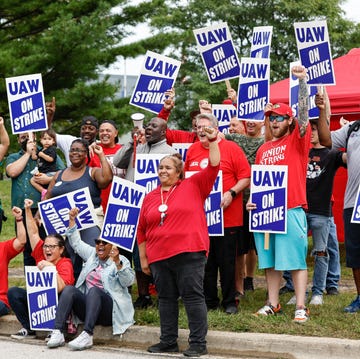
233,193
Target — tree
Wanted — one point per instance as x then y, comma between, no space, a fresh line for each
174,21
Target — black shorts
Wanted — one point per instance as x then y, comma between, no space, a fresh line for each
245,239
352,240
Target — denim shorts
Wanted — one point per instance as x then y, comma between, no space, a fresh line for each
286,251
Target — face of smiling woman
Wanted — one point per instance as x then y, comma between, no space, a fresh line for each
51,249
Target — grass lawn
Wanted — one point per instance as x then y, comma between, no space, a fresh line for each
327,320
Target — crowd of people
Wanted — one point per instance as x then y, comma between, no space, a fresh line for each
173,249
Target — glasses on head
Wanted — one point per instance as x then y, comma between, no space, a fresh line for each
50,246
99,241
76,150
278,118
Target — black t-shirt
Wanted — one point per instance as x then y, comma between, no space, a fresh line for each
322,166
44,166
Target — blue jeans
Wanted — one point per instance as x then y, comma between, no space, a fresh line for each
92,308
334,269
3,309
181,276
18,303
320,228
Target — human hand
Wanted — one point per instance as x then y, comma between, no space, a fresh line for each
268,107
250,206
43,263
211,133
17,212
170,94
232,95
2,122
98,150
28,203
50,108
205,106
73,213
320,101
299,71
115,255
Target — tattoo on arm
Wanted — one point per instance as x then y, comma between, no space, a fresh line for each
303,109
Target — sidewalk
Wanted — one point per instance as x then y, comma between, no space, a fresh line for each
250,344
219,342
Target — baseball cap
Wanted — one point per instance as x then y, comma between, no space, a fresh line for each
280,109
90,120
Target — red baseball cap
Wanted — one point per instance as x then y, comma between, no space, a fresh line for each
280,109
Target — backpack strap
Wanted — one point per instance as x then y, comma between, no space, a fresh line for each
354,127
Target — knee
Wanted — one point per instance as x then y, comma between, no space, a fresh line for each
14,294
93,292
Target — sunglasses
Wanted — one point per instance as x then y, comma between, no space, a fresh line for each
278,118
99,241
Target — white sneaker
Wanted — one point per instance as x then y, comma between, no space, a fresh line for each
301,315
83,341
56,339
292,300
317,299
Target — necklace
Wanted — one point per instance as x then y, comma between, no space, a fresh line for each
163,206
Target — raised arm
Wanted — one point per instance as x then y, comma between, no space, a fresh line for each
20,239
322,125
104,174
50,111
31,225
303,100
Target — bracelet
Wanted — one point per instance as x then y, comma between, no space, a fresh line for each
212,139
19,219
233,193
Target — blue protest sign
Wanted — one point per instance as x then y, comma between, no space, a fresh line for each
55,211
146,166
294,94
41,290
261,42
26,103
182,149
269,192
158,74
313,44
218,52
213,210
122,214
224,113
254,85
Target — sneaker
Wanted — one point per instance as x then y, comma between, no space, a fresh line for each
317,299
269,310
83,341
163,348
285,289
354,306
248,284
292,300
332,291
56,340
143,301
195,350
301,315
24,334
231,309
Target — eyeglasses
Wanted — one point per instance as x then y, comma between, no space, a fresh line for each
50,246
76,150
99,241
278,118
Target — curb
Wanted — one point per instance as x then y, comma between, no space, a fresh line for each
225,343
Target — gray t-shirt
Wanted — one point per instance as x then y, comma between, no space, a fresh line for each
338,138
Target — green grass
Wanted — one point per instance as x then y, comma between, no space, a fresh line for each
327,320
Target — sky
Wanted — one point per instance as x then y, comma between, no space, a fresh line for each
133,66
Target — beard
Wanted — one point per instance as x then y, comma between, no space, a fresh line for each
280,131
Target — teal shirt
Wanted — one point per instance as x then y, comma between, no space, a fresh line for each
21,187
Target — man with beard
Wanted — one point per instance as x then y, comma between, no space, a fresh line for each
289,146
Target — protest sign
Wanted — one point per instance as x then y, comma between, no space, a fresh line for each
313,44
158,74
253,92
218,52
213,210
182,149
224,113
294,94
268,189
146,166
261,42
41,290
26,103
54,212
122,214
355,217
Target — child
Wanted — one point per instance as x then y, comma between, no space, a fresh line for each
46,159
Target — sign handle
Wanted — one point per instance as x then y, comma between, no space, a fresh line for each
266,240
228,85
